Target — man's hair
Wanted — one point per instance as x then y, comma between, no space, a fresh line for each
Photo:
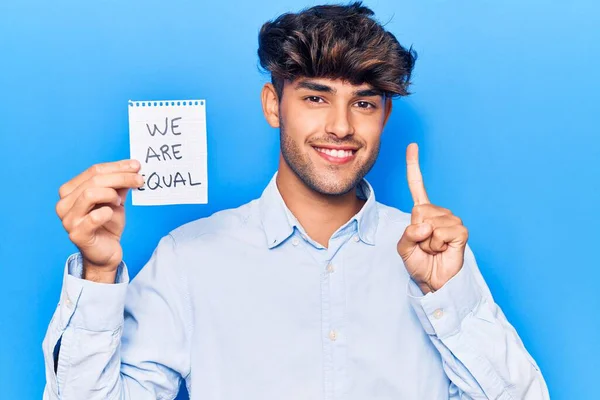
336,42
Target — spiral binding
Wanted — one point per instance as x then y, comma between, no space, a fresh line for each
165,103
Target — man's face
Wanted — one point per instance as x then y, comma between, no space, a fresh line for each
330,132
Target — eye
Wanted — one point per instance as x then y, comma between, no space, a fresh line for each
314,99
364,104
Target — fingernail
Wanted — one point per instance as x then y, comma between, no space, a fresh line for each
134,164
120,201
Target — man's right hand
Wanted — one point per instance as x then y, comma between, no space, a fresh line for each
91,208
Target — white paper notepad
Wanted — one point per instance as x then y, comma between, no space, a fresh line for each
168,138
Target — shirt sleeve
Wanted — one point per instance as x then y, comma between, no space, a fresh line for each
482,353
123,340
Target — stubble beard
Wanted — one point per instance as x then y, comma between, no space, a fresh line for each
305,169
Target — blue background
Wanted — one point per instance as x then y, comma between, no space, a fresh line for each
505,109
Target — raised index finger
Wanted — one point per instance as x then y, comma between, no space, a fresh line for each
97,169
413,174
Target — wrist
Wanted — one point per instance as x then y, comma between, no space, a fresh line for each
425,287
99,274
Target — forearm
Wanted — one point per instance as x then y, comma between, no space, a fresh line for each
486,359
483,355
81,347
114,342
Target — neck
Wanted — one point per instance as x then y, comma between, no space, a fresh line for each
319,214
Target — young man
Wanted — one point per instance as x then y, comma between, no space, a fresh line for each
312,291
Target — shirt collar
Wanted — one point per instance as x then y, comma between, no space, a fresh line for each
279,222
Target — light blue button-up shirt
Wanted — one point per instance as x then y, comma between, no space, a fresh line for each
244,305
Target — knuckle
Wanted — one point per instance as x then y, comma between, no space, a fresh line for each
97,169
66,223
417,210
95,217
95,180
73,237
76,238
429,209
62,190
465,232
437,211
89,194
59,208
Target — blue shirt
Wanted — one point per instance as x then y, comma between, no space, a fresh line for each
244,305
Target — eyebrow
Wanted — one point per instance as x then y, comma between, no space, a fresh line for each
318,87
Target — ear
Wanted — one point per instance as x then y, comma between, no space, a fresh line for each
270,104
388,110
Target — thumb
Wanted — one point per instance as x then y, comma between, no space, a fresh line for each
414,234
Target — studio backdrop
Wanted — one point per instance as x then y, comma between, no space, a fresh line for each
504,107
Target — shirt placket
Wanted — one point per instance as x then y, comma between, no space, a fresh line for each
334,318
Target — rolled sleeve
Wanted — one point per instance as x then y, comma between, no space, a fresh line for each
442,312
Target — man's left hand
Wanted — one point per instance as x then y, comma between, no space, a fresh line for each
433,245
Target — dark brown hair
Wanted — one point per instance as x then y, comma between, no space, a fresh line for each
336,42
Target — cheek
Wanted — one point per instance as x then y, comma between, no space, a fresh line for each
369,131
301,123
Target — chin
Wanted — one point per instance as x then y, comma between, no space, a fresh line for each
326,178
330,185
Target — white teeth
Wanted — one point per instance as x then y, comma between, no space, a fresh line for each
335,153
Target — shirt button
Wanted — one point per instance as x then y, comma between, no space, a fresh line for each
295,241
68,302
332,335
439,313
356,238
330,268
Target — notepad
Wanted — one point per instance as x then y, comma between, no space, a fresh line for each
168,138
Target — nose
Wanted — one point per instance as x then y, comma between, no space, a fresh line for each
339,122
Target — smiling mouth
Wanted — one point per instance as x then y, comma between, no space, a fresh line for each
336,156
